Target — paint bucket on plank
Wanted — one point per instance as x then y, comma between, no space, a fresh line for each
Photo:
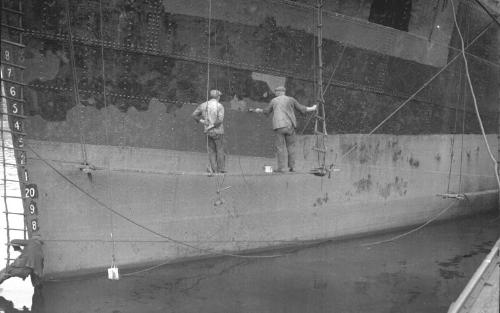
268,169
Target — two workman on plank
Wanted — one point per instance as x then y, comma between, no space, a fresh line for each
211,115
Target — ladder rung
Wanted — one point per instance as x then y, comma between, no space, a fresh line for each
13,27
15,229
14,65
317,132
12,11
14,213
14,82
13,181
13,43
14,197
319,117
9,259
13,114
12,98
10,164
13,132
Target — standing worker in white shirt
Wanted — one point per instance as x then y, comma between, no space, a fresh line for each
211,115
284,125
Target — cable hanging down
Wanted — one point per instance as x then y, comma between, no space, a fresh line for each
404,103
76,92
152,231
447,195
476,109
106,131
222,176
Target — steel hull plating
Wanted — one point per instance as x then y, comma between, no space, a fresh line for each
172,202
113,86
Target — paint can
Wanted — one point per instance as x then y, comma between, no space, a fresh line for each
113,273
268,169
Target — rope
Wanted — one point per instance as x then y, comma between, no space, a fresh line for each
178,242
336,15
464,101
488,12
327,85
106,131
416,92
76,92
219,180
452,152
411,231
208,46
334,69
319,114
480,124
466,63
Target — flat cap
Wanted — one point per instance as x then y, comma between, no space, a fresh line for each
280,88
215,93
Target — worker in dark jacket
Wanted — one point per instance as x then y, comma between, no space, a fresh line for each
284,125
29,262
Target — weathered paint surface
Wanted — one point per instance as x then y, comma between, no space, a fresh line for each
150,155
167,192
155,53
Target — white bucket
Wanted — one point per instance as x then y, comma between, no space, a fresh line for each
113,273
268,169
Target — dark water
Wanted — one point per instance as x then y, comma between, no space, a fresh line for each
423,272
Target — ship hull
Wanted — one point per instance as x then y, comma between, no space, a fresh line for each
147,206
120,165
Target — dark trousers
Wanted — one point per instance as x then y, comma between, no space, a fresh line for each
285,146
216,152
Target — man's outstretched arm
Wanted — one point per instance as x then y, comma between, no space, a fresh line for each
302,108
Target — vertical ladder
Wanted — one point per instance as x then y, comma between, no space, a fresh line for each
12,129
320,117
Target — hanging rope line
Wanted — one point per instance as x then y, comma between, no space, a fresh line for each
320,115
464,101
466,63
208,45
416,92
179,242
76,92
334,69
467,74
220,183
488,12
452,149
219,177
106,131
309,118
335,15
413,230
